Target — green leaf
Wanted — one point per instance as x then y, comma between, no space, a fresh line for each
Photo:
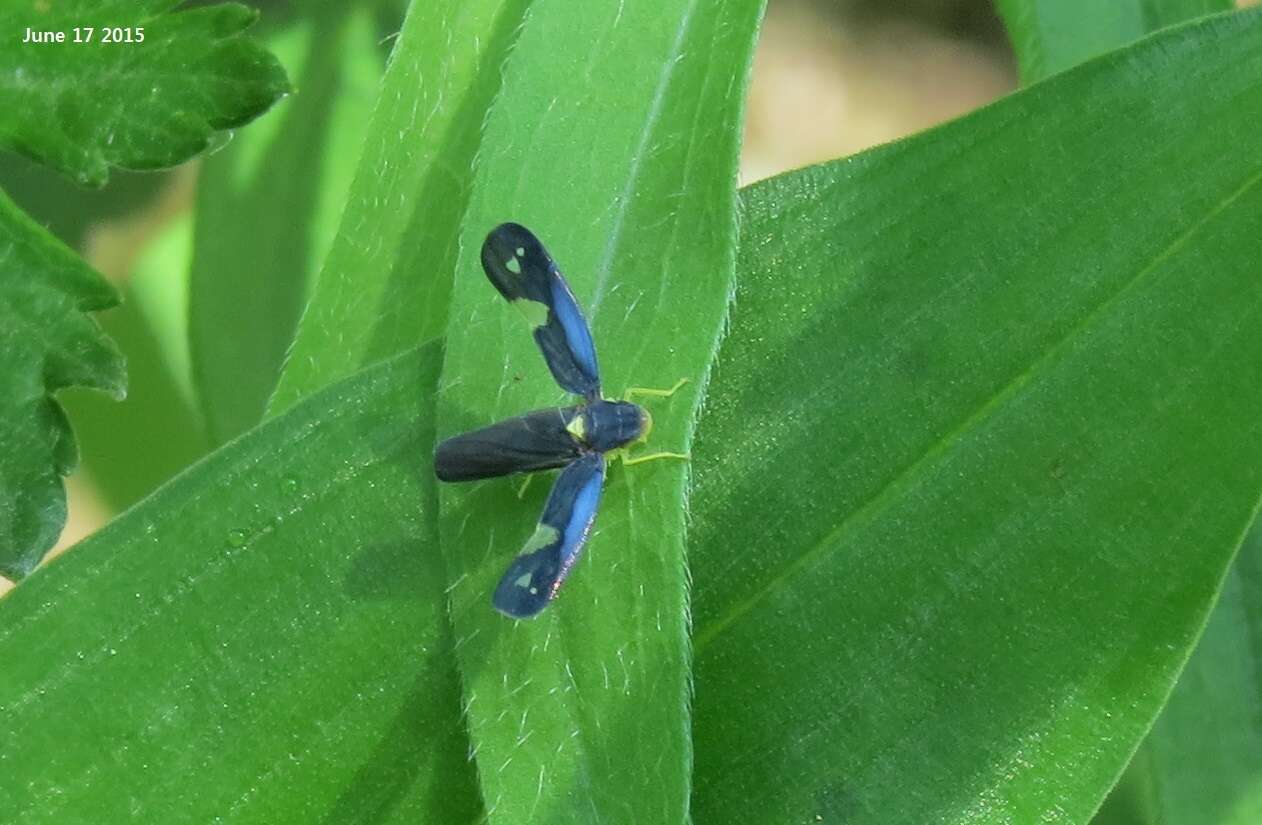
48,344
267,210
1202,760
581,714
384,286
980,446
1051,35
128,449
270,623
84,107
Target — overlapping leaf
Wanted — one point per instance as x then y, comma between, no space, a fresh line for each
974,472
270,623
1202,760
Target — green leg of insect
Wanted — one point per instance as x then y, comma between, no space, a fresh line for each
625,453
521,491
640,459
631,391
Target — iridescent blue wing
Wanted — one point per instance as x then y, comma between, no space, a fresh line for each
539,440
534,577
526,275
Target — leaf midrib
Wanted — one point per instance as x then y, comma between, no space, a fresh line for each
637,158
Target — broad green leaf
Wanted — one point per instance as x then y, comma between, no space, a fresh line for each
128,449
981,443
85,107
262,640
47,343
383,287
1202,760
1051,35
267,210
581,714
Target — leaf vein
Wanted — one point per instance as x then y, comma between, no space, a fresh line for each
902,480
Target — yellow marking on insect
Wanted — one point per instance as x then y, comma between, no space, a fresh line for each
577,427
523,580
513,265
535,313
521,251
544,535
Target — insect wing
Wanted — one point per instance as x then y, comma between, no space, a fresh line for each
534,577
537,440
524,273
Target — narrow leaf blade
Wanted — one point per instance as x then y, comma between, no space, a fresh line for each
384,285
581,714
